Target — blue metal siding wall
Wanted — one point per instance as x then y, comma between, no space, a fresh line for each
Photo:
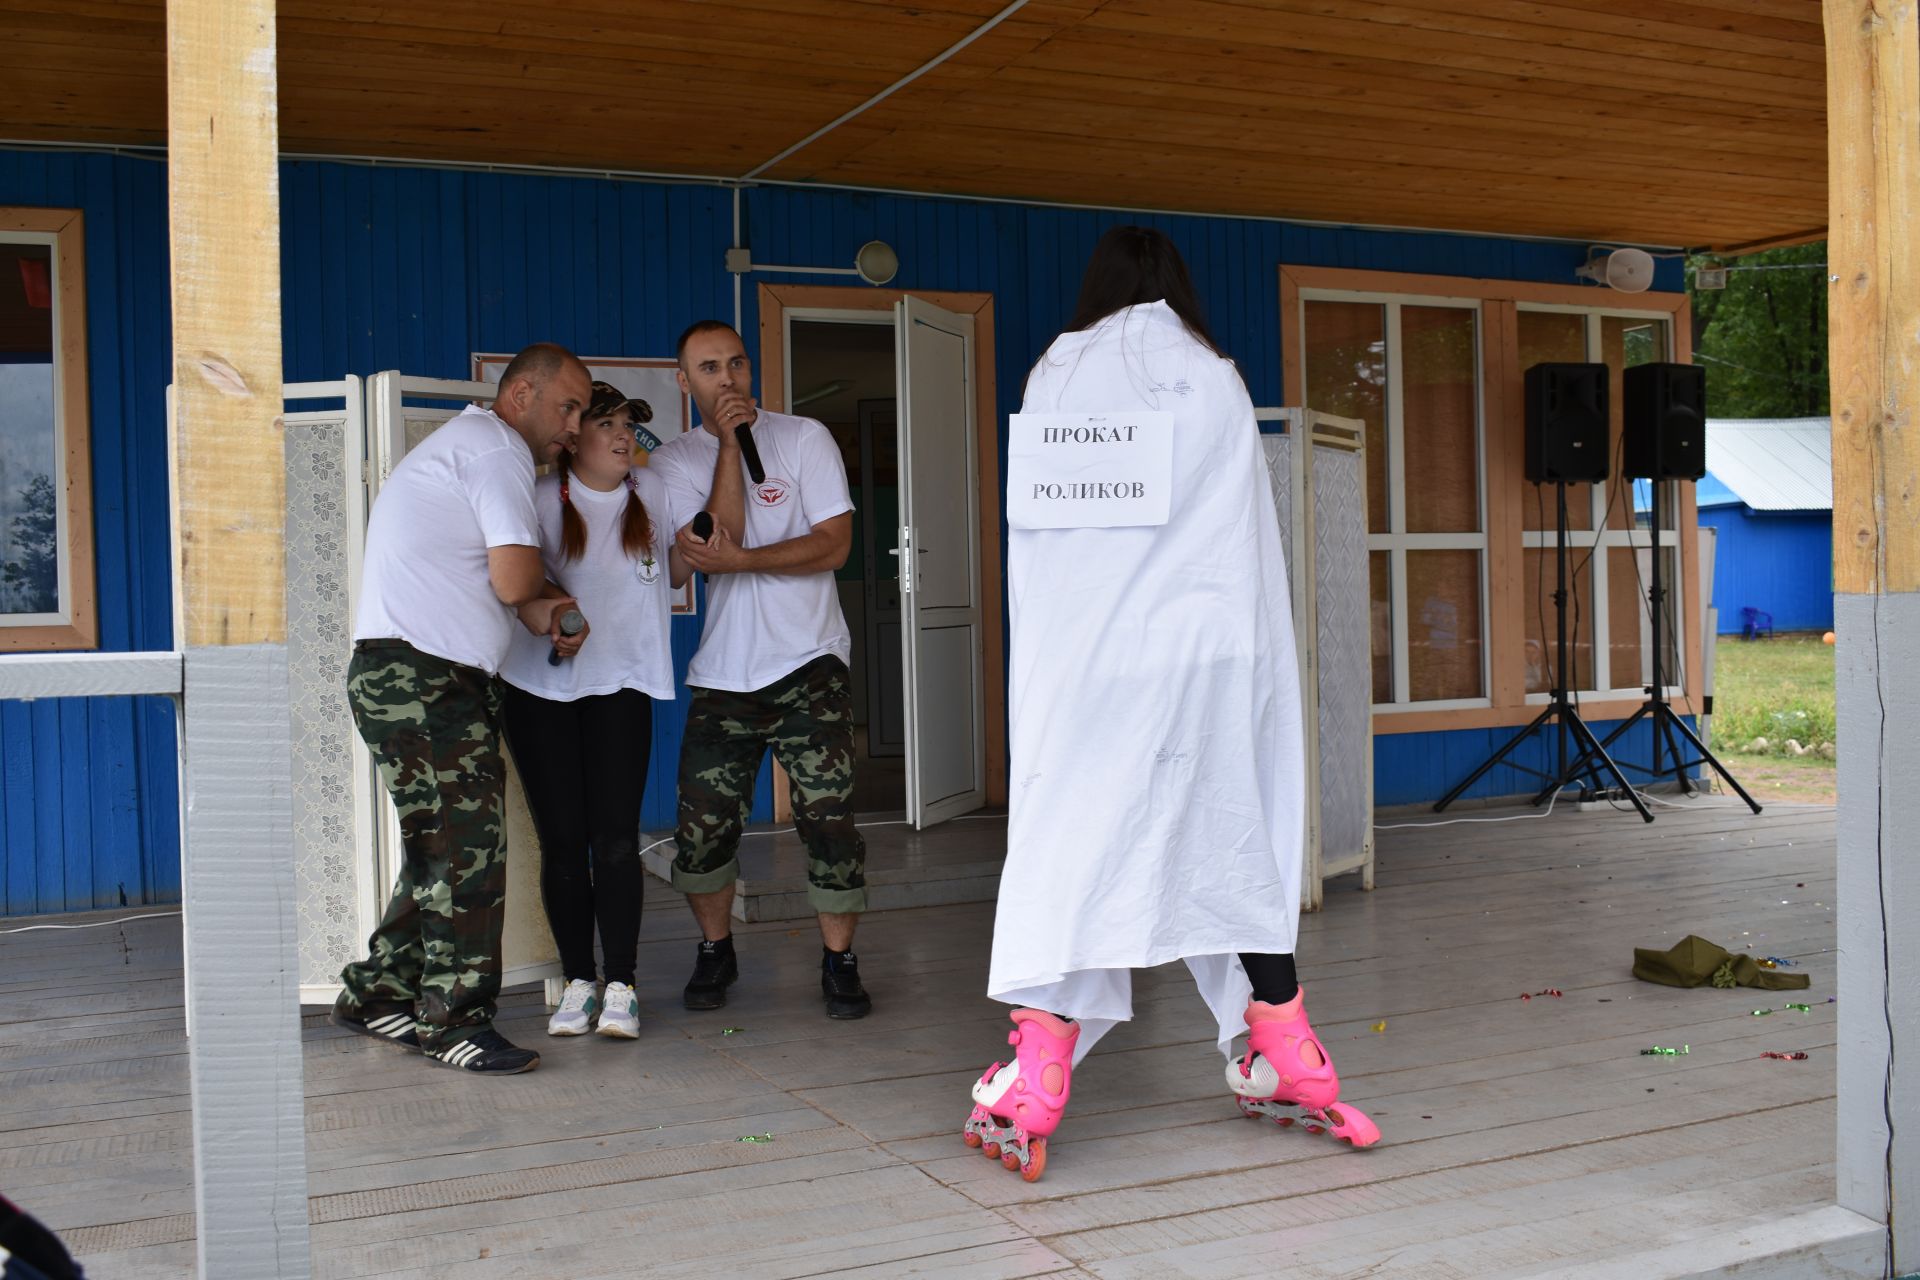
388,267
1781,562
1030,258
89,796
1419,768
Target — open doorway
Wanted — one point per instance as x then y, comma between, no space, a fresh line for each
905,382
843,373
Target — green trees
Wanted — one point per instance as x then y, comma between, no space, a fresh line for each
1763,338
30,572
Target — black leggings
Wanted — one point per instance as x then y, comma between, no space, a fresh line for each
1274,980
584,766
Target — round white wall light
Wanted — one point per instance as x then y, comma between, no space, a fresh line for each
876,262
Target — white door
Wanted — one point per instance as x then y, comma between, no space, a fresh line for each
939,564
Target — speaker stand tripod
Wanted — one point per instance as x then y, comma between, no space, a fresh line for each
1666,723
1559,709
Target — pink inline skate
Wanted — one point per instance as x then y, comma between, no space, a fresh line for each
1287,1075
1017,1104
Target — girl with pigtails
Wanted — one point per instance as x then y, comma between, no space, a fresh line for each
580,728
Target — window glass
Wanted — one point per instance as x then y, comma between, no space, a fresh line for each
1346,372
1627,341
1440,400
1537,565
1630,616
29,434
1380,573
1443,625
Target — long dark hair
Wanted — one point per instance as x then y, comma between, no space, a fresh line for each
1132,265
636,526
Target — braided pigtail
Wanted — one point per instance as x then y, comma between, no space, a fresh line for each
636,526
573,530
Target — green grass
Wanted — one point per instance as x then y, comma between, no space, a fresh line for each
1776,689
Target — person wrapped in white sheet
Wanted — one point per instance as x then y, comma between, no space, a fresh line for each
1157,775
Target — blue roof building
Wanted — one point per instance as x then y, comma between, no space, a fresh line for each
1768,493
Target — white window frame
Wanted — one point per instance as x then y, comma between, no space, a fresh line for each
1397,542
1598,539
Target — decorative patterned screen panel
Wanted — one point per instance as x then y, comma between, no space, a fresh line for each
331,770
421,422
1346,676
1279,450
1335,606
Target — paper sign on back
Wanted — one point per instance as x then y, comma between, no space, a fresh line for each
1089,470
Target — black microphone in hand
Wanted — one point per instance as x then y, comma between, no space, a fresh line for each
703,527
571,624
750,454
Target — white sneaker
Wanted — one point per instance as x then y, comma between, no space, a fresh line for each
577,1007
620,1016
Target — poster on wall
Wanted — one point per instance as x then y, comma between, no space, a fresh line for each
648,379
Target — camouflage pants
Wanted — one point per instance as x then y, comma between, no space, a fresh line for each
434,729
807,719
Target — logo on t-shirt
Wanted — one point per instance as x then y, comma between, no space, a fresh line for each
647,569
772,491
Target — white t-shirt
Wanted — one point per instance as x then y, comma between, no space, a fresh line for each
628,602
465,488
762,626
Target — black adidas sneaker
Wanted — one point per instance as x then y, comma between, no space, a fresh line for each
392,1024
488,1053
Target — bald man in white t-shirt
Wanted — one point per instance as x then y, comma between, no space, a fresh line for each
453,553
771,672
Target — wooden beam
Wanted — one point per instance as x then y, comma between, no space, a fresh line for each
1503,451
229,513
1873,165
1873,112
224,233
1807,236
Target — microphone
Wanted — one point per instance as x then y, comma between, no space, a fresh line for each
571,624
750,454
703,527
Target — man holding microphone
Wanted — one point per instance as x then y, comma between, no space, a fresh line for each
453,552
771,671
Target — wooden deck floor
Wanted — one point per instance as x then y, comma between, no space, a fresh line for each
1522,1137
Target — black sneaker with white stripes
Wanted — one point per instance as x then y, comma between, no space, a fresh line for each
392,1024
487,1052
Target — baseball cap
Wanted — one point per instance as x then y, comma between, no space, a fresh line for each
607,398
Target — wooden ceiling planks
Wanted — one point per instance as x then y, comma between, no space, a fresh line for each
1696,122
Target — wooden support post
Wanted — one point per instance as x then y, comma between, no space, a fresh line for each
228,467
224,222
1873,157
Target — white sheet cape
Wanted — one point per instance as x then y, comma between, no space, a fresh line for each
1157,778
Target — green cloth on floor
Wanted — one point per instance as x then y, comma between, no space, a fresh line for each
1696,962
